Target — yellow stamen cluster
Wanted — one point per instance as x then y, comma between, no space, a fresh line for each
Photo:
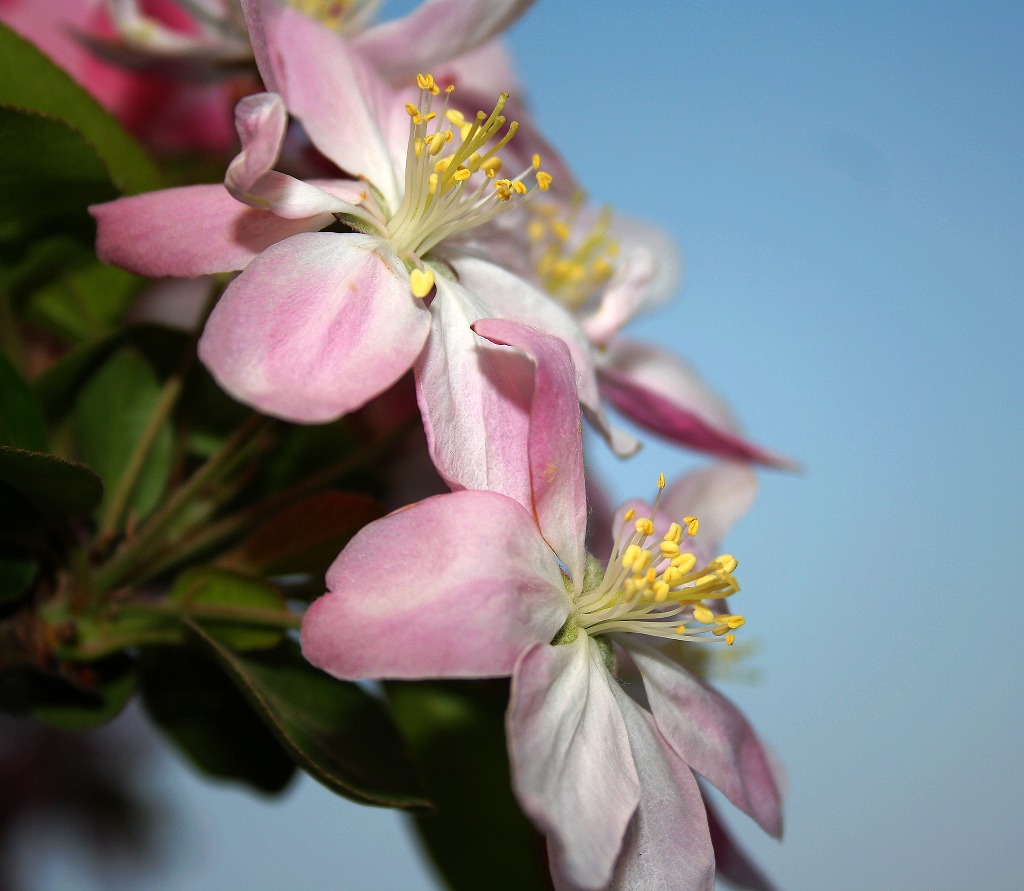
452,180
655,587
571,269
344,16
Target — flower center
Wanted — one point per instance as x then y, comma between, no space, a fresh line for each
343,16
654,587
452,180
570,267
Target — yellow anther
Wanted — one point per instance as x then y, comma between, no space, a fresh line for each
730,639
630,555
421,281
418,146
436,142
735,622
455,117
650,576
629,515
661,481
660,592
432,179
450,89
491,166
535,230
671,575
691,525
681,629
703,615
441,165
675,533
520,187
644,526
543,180
684,562
669,549
726,562
414,112
462,174
429,116
425,81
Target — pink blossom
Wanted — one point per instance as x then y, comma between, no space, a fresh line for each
607,270
496,583
152,100
319,322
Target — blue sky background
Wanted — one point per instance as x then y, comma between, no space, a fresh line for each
846,182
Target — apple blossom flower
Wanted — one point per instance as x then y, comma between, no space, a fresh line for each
606,269
498,583
320,320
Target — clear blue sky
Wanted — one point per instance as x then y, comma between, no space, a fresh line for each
846,182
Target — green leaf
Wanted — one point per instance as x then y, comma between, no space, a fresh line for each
36,486
335,730
457,733
206,586
84,302
59,385
305,537
21,419
101,692
112,411
191,699
30,81
49,175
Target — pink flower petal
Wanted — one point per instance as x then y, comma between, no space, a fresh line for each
507,296
189,231
647,271
732,862
717,496
457,585
709,733
474,401
261,120
572,766
555,446
433,33
349,113
668,845
315,326
662,394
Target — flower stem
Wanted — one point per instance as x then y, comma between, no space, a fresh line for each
137,549
129,479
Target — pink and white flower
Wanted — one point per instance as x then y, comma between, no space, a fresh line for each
606,270
497,583
319,322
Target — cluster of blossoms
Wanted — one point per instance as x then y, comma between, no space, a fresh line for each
377,222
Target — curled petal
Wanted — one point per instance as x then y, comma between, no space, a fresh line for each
457,585
314,327
555,446
711,735
474,400
507,296
433,33
261,120
189,231
662,394
344,106
572,766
